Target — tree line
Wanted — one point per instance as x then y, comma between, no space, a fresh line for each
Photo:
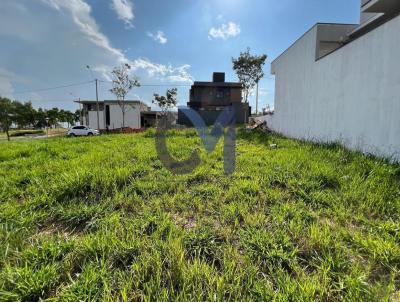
23,115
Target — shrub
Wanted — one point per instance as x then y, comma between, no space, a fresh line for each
19,133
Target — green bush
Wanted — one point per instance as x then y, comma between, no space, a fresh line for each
18,133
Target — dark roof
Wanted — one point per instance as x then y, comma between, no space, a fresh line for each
217,84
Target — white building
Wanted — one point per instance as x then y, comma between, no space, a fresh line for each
341,83
110,114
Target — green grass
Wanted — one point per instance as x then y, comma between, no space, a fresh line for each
100,219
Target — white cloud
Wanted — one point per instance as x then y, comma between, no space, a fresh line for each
124,10
6,82
159,37
56,40
81,16
6,88
104,71
81,11
225,31
163,72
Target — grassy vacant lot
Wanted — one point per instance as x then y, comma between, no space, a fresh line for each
99,218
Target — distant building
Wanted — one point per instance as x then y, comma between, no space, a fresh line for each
341,83
209,99
110,114
151,119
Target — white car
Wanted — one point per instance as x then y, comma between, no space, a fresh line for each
82,131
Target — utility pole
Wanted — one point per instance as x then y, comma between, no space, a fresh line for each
98,106
97,97
80,113
80,109
257,100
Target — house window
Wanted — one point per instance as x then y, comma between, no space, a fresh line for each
223,93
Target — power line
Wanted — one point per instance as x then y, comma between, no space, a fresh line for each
54,88
156,85
89,82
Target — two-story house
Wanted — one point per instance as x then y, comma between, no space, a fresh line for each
209,99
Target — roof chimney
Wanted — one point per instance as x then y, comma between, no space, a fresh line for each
219,77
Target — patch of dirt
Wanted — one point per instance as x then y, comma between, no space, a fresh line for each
55,230
395,297
188,223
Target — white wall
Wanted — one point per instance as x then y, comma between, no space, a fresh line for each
351,96
93,119
132,116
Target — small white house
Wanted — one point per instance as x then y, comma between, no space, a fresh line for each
110,114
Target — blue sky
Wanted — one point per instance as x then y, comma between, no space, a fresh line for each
48,43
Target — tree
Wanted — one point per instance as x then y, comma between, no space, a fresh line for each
249,69
53,116
67,117
73,117
77,115
166,102
7,111
24,114
40,118
122,84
